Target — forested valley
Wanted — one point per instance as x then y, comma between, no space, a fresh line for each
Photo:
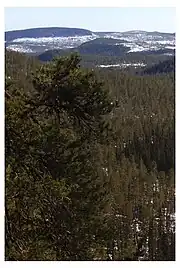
89,161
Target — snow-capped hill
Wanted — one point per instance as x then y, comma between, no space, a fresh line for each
39,40
41,44
45,32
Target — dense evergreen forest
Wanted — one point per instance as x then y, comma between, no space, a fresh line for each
89,162
167,66
91,59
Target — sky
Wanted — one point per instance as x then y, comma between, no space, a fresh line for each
92,18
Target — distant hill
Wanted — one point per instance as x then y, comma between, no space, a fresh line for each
162,34
96,48
39,40
50,54
104,41
103,49
46,32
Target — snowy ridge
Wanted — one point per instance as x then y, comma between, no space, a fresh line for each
29,45
136,41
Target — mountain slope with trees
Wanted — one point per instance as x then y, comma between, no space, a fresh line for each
163,67
89,162
45,32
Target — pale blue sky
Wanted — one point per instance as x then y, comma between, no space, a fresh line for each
95,19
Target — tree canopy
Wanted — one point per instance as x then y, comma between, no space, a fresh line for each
89,162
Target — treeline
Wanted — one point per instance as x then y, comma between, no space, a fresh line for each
91,60
167,66
89,163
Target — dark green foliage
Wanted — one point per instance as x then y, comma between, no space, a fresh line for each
93,53
102,49
166,66
108,41
50,54
89,164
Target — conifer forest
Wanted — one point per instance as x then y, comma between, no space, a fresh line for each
89,161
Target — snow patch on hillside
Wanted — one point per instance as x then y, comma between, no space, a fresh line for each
136,41
122,65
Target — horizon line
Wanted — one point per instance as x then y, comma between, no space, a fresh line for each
41,27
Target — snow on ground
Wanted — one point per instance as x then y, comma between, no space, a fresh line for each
29,45
134,40
122,65
171,47
55,39
20,48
